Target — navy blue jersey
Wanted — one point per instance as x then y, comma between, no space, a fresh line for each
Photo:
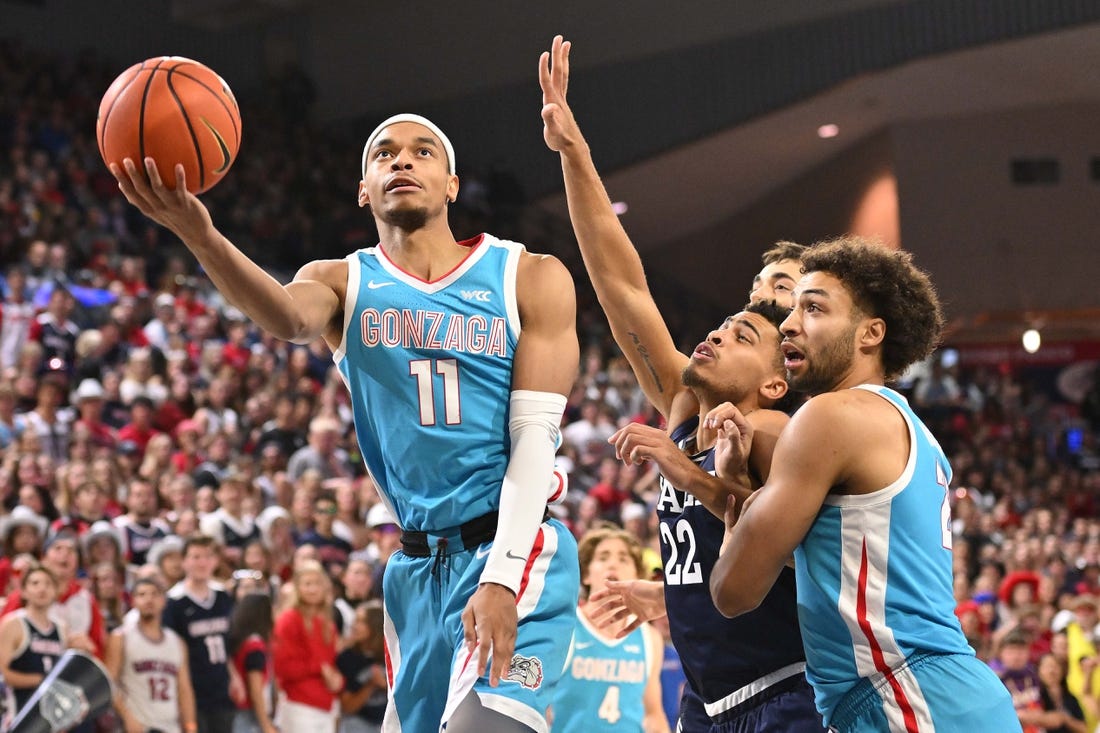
138,538
719,655
37,654
230,531
204,628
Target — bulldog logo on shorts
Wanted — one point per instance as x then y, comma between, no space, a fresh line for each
525,670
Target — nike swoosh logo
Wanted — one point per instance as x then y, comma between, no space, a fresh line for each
374,286
510,556
226,160
583,645
482,552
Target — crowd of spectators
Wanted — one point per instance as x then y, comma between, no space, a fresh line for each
139,411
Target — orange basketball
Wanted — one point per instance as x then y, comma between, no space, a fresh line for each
173,110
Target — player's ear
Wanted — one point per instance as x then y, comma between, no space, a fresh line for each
774,388
364,199
872,332
452,189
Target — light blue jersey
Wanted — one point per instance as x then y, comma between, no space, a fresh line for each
604,682
429,368
874,583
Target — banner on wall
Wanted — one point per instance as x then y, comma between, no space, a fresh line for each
1049,354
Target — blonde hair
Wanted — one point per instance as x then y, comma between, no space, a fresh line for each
294,600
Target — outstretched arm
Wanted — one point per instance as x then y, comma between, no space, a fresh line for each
609,256
298,312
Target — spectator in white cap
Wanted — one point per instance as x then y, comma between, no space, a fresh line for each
163,323
167,556
21,536
385,540
275,531
88,400
102,544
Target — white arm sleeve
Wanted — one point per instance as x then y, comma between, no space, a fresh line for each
534,420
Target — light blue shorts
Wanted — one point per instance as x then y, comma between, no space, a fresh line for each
430,670
959,694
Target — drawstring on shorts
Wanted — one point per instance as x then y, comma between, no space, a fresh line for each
440,557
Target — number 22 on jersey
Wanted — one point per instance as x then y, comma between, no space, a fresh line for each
681,568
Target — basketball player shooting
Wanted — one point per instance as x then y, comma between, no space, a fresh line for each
458,356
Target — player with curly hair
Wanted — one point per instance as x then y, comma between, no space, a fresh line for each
858,492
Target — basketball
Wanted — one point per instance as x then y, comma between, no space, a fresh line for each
173,110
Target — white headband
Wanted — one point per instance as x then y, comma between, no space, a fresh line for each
420,121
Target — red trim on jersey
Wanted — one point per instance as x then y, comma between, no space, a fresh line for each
472,243
389,663
876,650
469,656
559,485
536,550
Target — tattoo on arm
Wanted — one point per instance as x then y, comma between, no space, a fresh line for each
649,364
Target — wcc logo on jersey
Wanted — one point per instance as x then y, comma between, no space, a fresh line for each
525,670
482,296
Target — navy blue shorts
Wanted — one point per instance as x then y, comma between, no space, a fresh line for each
786,708
693,718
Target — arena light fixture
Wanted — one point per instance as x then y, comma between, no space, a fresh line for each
1031,340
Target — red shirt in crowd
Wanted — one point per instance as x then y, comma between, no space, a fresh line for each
102,435
141,437
251,657
299,653
610,497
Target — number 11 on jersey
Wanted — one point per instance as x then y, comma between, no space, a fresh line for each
422,370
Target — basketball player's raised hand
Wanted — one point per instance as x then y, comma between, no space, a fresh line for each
178,210
559,127
734,442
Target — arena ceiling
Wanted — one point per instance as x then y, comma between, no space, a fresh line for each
695,166
771,152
